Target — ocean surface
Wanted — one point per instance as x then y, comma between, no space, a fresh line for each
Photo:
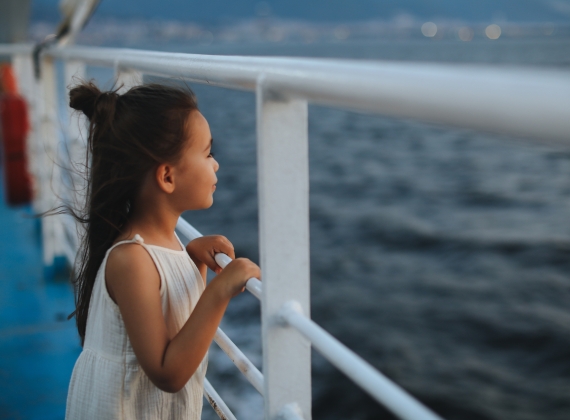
441,256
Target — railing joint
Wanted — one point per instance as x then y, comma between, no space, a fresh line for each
290,411
289,308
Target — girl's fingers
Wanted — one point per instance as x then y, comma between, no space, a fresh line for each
227,248
207,246
210,262
231,250
231,254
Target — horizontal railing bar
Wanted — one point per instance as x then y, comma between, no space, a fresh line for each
531,103
187,229
219,406
253,375
15,49
253,285
362,373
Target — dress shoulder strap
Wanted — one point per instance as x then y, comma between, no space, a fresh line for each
137,239
179,241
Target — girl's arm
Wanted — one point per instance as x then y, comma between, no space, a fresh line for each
169,361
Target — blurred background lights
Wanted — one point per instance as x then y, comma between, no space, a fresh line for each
276,34
493,31
465,33
341,32
429,29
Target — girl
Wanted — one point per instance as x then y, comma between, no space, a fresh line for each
144,313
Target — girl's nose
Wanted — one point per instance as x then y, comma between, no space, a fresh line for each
216,165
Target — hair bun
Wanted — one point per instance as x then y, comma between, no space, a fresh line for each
96,105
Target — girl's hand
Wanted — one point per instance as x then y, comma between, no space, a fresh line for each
203,250
231,281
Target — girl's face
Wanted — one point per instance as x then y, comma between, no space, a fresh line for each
196,171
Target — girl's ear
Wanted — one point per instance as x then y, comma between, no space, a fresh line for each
165,177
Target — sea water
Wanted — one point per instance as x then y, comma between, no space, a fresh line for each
439,255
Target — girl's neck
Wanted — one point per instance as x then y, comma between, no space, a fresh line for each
155,224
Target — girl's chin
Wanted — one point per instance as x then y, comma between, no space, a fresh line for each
203,206
209,204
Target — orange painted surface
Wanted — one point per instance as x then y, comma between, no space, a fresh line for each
8,83
14,128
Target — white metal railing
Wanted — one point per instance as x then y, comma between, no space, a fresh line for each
512,101
521,103
377,385
216,402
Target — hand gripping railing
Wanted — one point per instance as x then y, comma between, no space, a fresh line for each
190,232
246,367
249,370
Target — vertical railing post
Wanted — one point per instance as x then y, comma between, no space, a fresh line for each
49,173
127,78
74,73
28,85
283,185
77,132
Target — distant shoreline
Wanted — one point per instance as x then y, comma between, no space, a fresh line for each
132,32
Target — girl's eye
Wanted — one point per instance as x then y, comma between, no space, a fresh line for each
211,154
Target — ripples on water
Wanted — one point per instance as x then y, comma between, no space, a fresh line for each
439,255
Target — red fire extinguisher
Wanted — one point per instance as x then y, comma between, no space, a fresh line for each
14,129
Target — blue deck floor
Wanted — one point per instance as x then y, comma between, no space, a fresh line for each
38,346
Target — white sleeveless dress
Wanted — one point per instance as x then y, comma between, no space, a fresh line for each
107,381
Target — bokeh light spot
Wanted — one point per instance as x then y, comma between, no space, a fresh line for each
493,31
465,33
341,32
429,29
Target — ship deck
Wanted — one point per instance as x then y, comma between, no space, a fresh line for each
38,346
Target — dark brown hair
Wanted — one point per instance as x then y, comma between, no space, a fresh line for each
129,134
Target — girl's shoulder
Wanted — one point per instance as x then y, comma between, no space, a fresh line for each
129,266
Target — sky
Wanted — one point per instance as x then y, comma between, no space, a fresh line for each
223,11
